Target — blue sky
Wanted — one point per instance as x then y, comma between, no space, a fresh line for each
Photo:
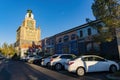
53,16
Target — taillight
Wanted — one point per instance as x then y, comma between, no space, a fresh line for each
70,63
51,59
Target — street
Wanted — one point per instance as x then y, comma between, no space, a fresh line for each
16,70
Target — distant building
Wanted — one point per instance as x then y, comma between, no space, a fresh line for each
48,45
79,40
66,42
27,33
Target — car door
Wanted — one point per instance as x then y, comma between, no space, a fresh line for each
101,65
63,59
89,64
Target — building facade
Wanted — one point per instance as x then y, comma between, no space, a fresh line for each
48,45
79,41
27,34
66,42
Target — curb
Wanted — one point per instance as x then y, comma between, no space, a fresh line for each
109,76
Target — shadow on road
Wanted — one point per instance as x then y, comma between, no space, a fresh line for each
5,75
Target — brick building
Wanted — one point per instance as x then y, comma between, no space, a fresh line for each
27,33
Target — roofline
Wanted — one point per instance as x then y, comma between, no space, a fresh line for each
77,28
18,28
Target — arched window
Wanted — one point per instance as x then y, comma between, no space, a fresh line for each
66,38
60,40
73,36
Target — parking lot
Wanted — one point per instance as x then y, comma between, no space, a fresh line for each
88,76
53,61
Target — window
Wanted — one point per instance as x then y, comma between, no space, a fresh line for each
60,40
69,57
73,36
52,42
55,56
74,45
81,33
63,57
66,38
87,59
59,47
90,58
89,31
47,42
98,59
66,57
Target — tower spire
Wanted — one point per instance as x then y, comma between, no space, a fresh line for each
29,14
29,11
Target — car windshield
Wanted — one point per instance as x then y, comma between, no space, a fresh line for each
32,56
54,56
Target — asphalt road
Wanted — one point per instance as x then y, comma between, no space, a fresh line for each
16,70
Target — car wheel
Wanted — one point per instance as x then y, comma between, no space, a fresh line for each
80,71
31,62
48,65
113,68
34,62
58,66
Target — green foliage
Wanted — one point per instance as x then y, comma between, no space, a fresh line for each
8,50
108,11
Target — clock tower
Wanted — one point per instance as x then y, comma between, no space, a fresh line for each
27,33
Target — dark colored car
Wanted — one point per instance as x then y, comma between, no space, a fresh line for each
38,61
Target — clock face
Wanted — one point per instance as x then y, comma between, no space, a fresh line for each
29,24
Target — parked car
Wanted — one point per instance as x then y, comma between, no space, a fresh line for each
59,62
46,61
32,58
90,63
38,61
24,59
2,57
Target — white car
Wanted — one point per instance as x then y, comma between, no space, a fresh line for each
46,61
90,63
23,58
32,58
59,62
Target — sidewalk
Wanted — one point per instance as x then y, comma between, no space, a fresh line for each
111,77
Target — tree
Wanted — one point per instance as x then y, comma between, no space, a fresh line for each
5,49
12,50
108,11
8,49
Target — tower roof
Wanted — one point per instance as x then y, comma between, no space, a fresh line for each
29,11
29,14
